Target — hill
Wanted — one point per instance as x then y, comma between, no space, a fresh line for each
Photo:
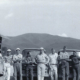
34,40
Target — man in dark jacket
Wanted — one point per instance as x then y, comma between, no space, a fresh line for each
75,65
29,66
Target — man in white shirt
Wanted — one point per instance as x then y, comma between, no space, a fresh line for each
1,65
53,64
64,61
7,64
17,59
41,60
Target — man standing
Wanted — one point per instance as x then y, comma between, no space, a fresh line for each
7,64
17,59
75,65
53,65
1,65
41,60
29,67
63,59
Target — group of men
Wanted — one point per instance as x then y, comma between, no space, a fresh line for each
14,60
53,60
57,61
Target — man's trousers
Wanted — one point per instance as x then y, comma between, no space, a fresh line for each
18,70
7,71
53,72
65,71
76,72
41,71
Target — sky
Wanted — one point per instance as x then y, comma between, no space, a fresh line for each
55,17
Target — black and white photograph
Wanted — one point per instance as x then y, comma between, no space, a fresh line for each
39,39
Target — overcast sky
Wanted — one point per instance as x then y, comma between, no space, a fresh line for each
56,17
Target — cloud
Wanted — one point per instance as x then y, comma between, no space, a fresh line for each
63,35
9,15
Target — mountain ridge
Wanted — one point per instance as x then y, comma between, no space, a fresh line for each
37,40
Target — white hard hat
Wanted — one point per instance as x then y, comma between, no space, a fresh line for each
9,50
42,48
17,49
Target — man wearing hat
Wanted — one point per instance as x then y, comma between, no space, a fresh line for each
17,59
64,62
41,60
7,64
53,57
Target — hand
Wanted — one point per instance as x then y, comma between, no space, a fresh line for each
47,64
50,68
